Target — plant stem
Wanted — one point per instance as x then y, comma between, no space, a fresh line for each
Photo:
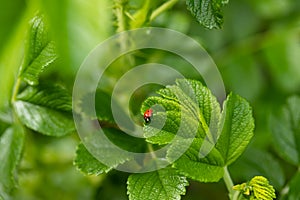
229,184
151,150
162,9
13,99
120,14
15,90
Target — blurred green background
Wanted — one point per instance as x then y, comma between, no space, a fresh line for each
257,53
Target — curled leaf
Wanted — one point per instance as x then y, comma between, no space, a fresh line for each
258,188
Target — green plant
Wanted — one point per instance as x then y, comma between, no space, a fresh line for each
287,121
40,104
45,108
231,130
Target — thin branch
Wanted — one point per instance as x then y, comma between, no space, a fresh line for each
162,8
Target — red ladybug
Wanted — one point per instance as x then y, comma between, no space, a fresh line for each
147,115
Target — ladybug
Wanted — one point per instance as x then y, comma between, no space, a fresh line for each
147,115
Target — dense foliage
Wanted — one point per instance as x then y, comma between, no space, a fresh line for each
255,45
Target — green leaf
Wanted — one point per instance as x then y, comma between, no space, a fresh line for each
142,15
294,192
3,127
237,126
39,52
5,118
168,105
207,12
207,169
164,184
258,188
45,109
125,141
188,105
11,145
189,111
285,126
51,96
196,98
87,163
104,113
165,125
109,150
209,108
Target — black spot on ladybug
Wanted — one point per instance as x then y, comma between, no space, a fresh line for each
147,115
